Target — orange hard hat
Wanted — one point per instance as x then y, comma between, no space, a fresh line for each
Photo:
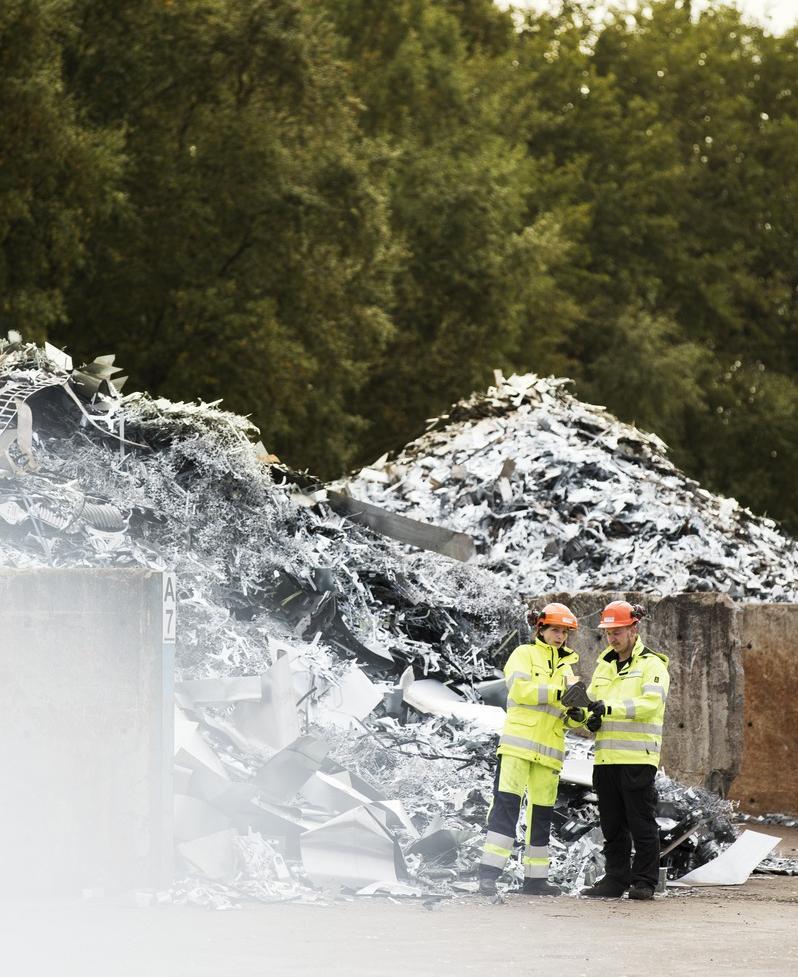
558,616
619,614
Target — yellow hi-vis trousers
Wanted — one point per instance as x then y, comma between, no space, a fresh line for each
514,777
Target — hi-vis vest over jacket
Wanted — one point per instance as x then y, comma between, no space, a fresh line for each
631,728
536,676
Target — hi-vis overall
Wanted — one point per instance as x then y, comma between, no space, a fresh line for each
530,756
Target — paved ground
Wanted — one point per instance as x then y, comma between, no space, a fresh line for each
738,931
748,931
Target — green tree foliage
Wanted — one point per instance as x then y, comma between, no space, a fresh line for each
341,215
58,175
676,135
254,260
750,434
475,283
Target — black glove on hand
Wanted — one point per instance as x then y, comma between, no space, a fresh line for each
597,708
594,722
577,713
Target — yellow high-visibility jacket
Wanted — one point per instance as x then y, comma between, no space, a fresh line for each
536,676
631,728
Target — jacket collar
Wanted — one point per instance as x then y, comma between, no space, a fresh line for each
561,656
636,651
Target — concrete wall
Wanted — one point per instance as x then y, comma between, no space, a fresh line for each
85,731
768,778
703,736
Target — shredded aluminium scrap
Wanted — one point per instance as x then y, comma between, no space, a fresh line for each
329,732
137,481
560,496
294,625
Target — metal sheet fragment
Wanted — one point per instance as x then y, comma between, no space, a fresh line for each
191,749
281,777
350,700
272,719
353,849
214,855
431,696
458,546
735,864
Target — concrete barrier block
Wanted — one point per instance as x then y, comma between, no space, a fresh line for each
768,777
85,731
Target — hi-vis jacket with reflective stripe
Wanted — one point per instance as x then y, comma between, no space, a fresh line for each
631,728
536,678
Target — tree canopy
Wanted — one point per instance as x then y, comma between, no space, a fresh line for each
342,215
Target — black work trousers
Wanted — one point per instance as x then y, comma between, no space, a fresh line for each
627,800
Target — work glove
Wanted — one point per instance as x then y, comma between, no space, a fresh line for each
577,713
597,708
594,723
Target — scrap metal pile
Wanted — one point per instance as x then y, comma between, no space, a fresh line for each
329,731
293,626
560,496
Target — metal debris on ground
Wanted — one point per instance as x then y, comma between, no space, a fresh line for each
773,864
777,865
734,864
330,733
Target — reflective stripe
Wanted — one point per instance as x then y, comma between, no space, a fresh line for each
525,744
541,691
495,861
536,851
638,746
635,674
500,841
514,676
551,710
620,726
655,688
536,871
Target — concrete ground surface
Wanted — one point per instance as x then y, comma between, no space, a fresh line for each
749,930
734,931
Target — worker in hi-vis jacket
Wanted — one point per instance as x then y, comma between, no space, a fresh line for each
629,688
531,751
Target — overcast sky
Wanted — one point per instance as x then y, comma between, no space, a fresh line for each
776,15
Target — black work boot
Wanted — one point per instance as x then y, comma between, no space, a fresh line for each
605,888
641,890
540,887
